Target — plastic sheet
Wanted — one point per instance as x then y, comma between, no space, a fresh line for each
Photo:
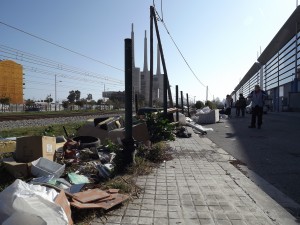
21,200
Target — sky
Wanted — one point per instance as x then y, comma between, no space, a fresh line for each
220,40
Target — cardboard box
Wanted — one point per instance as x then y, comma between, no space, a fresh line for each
7,146
31,148
17,170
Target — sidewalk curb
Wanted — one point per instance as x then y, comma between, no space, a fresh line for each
260,194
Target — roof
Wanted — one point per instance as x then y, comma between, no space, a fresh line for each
286,33
252,71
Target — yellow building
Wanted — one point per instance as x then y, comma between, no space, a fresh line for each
11,81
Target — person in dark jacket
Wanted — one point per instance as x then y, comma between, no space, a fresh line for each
257,97
242,104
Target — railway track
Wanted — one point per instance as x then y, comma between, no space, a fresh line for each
42,115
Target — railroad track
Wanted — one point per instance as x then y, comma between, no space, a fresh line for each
43,115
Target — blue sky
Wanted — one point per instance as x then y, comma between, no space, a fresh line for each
219,39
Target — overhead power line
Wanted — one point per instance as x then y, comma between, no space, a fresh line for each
167,30
60,46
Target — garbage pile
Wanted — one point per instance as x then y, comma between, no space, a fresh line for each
58,176
206,116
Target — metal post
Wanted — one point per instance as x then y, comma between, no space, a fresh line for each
167,90
128,88
177,113
136,103
55,94
128,142
151,58
188,105
182,109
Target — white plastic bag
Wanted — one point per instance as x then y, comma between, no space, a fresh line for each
22,200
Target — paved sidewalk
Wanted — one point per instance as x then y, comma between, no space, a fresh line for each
199,186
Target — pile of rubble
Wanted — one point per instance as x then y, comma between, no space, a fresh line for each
61,174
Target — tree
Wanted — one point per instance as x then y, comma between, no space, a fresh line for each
29,102
100,101
210,104
80,102
48,99
4,101
65,104
77,95
72,96
199,105
89,97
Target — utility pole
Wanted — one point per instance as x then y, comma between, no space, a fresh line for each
167,90
151,58
177,113
55,94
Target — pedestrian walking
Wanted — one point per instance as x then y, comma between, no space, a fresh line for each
237,108
242,104
257,97
228,105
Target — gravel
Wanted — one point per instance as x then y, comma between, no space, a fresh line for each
45,122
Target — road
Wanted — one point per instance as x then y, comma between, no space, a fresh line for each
272,152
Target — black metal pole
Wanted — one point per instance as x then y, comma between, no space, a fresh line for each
188,104
136,103
182,109
177,113
151,58
128,88
166,90
128,142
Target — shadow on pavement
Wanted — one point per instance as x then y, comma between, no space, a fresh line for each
272,152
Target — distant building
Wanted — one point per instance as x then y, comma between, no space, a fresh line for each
11,81
141,79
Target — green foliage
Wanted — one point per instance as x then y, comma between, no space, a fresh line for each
49,131
65,104
159,128
211,105
199,105
111,146
29,102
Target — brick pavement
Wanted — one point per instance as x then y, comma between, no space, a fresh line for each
199,186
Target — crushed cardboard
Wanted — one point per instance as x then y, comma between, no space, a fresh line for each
115,199
62,201
91,195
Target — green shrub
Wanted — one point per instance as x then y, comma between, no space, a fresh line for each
159,128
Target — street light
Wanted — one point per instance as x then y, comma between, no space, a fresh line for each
56,93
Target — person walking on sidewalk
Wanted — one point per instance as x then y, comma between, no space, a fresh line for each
242,104
228,105
237,108
257,97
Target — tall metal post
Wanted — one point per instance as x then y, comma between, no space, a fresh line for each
177,113
151,58
206,93
188,104
167,90
128,88
182,109
136,103
128,142
55,98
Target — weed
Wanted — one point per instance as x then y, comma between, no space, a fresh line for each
159,128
